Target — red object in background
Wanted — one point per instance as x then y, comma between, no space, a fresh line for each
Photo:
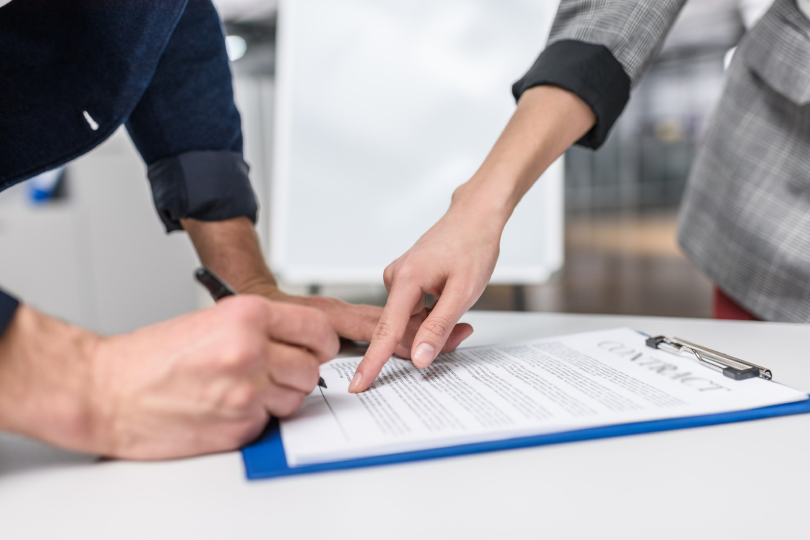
726,308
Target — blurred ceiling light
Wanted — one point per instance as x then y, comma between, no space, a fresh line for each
237,47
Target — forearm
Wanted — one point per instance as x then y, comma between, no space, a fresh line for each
46,381
203,382
548,120
231,249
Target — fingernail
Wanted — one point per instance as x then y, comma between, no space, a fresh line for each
354,386
424,355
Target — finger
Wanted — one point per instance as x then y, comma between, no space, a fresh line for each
387,335
419,306
355,322
292,367
281,401
388,275
461,332
404,348
358,322
439,325
292,324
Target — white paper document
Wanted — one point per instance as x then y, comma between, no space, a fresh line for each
515,390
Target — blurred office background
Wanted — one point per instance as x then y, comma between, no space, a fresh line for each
110,267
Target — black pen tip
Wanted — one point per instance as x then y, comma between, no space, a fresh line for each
321,382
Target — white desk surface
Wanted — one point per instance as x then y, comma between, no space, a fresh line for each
747,480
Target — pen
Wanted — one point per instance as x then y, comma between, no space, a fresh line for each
219,290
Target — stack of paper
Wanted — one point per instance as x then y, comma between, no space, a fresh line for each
507,391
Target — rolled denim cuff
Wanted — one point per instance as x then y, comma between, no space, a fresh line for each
8,306
210,185
591,72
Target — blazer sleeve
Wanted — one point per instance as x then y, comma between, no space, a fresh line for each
188,130
599,50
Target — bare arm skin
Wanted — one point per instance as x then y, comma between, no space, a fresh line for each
231,249
455,258
205,382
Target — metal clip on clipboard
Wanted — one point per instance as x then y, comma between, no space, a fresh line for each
731,367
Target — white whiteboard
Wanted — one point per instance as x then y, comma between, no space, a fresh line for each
383,108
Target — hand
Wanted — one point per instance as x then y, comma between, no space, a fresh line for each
455,258
204,382
453,261
231,249
351,321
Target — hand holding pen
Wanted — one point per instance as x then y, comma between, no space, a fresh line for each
219,289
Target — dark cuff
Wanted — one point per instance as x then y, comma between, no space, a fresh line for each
591,72
211,185
8,306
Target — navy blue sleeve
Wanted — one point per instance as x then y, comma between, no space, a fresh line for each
591,72
8,306
188,130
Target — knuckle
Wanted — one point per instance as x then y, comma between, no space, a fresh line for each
388,275
241,397
327,339
383,331
248,309
466,289
243,352
404,272
438,326
307,371
332,347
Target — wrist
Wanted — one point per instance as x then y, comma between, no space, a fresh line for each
256,282
487,199
231,249
261,286
47,381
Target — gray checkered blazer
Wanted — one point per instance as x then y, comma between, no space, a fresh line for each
745,218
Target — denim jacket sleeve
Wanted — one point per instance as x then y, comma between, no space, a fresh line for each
188,130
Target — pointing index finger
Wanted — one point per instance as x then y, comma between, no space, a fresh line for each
387,335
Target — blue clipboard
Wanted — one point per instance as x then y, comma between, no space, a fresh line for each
265,458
